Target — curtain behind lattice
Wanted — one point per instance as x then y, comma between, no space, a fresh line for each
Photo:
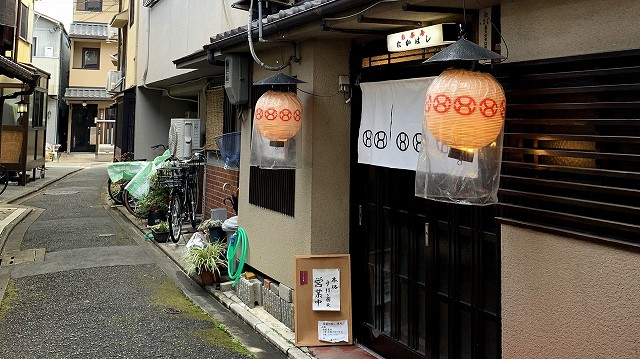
215,117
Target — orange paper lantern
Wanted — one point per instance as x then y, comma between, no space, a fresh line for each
465,109
278,116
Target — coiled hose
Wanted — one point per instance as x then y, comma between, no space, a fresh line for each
239,240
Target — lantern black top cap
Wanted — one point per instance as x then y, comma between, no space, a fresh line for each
466,50
279,79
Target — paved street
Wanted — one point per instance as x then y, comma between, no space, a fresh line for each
101,291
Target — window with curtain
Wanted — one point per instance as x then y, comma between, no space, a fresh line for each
90,58
89,5
24,21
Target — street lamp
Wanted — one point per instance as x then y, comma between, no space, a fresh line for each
23,106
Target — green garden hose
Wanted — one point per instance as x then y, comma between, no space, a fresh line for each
240,240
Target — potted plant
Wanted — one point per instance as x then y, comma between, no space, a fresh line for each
206,262
160,231
154,205
212,228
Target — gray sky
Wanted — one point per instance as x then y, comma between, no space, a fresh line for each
61,10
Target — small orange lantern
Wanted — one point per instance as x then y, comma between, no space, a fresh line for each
278,116
465,109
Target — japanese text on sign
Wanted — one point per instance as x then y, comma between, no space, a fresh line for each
333,331
326,289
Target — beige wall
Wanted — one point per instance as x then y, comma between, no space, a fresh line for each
132,51
320,224
109,9
79,77
562,297
551,28
565,298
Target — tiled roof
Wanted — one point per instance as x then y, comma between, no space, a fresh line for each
282,14
89,30
86,93
15,70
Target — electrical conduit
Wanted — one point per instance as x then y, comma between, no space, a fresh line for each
239,240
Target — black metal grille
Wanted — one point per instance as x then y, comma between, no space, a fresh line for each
269,188
273,189
571,160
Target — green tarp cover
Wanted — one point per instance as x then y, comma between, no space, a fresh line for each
138,186
125,170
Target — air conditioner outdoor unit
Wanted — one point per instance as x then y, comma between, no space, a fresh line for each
184,136
113,81
113,33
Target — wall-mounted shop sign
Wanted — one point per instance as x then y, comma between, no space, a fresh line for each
435,35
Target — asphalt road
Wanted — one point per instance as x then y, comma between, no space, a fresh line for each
102,292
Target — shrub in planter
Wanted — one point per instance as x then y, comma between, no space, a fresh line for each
212,228
160,231
155,201
207,262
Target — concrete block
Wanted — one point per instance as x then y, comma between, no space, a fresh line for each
285,293
257,292
274,337
226,286
275,287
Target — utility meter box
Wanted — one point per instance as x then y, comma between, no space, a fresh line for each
236,79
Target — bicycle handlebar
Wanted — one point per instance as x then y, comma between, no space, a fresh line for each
164,147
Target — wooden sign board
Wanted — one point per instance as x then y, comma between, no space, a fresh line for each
332,275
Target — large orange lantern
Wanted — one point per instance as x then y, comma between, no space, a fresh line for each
465,109
278,116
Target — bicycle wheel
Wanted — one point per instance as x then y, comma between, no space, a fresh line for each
130,203
4,179
115,191
175,216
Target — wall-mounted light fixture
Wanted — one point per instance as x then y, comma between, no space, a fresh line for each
84,103
278,112
465,109
464,116
22,106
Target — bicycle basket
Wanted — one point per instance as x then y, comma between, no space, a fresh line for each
229,146
169,177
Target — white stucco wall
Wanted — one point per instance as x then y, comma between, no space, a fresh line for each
320,224
153,119
563,297
179,28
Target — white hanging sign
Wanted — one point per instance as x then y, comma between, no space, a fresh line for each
326,290
430,36
390,132
333,331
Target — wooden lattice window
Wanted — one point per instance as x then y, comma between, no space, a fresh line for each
571,161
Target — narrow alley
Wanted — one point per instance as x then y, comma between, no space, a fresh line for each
101,291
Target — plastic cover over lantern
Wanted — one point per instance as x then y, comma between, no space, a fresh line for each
462,132
277,118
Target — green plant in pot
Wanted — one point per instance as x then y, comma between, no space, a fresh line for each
154,205
160,231
207,262
212,228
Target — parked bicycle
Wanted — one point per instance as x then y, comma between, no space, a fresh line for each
120,173
181,178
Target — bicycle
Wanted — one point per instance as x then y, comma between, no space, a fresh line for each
181,178
116,189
